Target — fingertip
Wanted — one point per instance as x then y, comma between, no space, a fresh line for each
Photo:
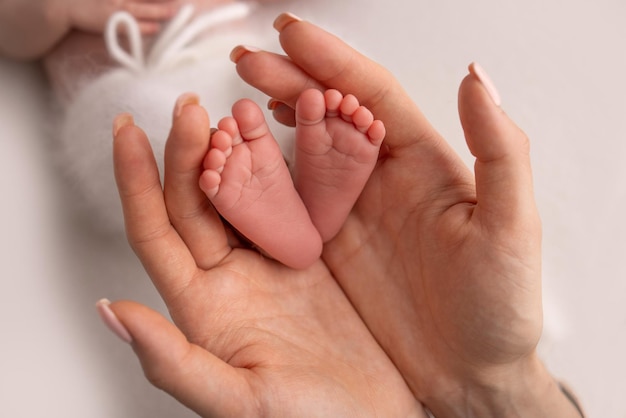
489,132
479,73
240,50
282,113
150,330
132,153
121,121
284,20
112,321
502,170
183,101
149,28
188,372
191,125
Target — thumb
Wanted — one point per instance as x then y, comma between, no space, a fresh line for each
188,372
504,187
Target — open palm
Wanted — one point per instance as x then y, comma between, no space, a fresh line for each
251,337
448,261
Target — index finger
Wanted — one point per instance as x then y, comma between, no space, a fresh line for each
319,59
160,249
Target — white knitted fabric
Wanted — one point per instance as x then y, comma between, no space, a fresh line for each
191,54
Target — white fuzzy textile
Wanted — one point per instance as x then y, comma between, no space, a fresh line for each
83,129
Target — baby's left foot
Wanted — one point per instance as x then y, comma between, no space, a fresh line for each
247,180
337,145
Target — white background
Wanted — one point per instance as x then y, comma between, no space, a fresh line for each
560,67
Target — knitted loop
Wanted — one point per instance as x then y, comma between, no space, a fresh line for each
177,43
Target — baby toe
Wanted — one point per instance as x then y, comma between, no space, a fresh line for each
333,99
222,141
215,160
362,119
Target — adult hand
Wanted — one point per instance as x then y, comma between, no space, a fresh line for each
251,337
444,265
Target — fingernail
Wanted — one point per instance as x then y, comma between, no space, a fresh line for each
111,321
272,104
184,100
482,76
285,19
241,50
122,120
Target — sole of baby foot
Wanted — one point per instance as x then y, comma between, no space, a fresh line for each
337,146
247,180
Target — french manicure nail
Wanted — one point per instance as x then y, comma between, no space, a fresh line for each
285,19
184,100
112,321
122,120
241,50
482,76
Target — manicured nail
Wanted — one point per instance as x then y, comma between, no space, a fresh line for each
482,76
272,104
241,50
184,100
285,19
111,321
122,120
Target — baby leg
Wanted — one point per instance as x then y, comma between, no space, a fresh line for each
337,144
248,182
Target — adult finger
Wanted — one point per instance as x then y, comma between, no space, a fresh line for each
152,11
192,375
504,186
189,210
150,233
274,74
318,58
282,113
149,28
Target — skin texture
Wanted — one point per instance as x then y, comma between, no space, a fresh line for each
252,337
440,265
247,180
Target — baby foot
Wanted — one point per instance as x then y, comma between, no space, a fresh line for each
337,145
248,182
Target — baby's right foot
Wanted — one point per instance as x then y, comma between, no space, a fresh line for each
337,145
247,180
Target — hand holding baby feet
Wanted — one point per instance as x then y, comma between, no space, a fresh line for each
337,145
247,180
